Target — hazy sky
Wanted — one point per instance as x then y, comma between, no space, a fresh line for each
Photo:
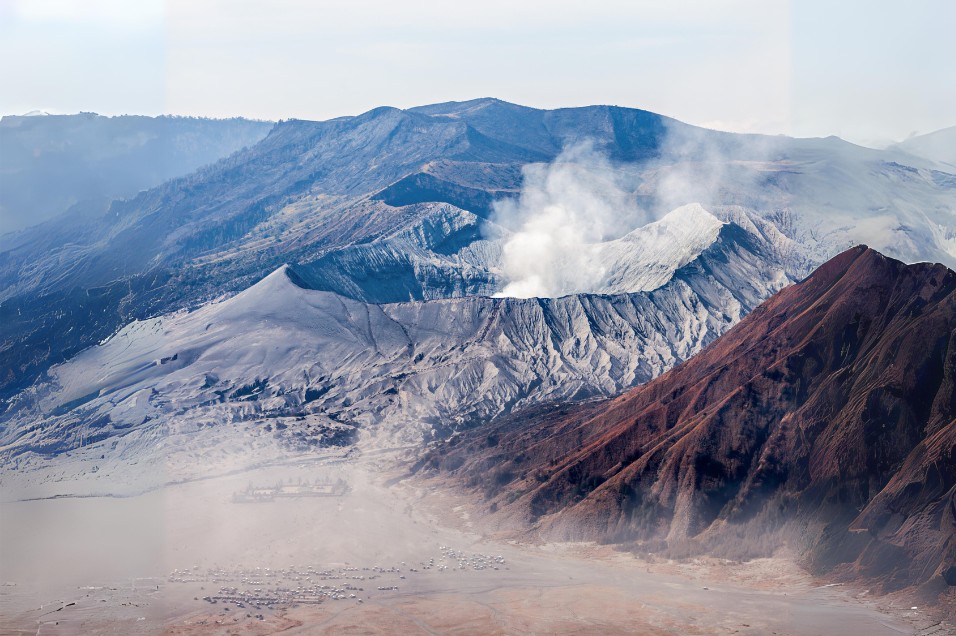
865,70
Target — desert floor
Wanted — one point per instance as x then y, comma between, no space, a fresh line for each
144,565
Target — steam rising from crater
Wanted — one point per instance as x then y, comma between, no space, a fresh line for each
564,209
567,208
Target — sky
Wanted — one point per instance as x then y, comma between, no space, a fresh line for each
869,71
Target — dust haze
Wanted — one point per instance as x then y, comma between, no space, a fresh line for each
271,548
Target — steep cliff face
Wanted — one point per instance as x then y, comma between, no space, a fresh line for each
824,421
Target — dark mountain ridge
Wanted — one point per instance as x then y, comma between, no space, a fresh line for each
824,423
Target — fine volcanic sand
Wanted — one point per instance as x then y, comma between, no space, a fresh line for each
142,565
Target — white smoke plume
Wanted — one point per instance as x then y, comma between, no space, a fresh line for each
568,207
564,209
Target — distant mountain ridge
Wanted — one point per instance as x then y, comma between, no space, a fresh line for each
49,163
939,146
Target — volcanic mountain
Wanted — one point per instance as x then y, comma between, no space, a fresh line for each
315,368
823,422
400,205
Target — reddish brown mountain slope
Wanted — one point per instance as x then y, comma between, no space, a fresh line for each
824,422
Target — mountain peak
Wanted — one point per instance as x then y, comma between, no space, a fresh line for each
272,294
283,277
858,267
294,277
691,214
647,257
471,105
